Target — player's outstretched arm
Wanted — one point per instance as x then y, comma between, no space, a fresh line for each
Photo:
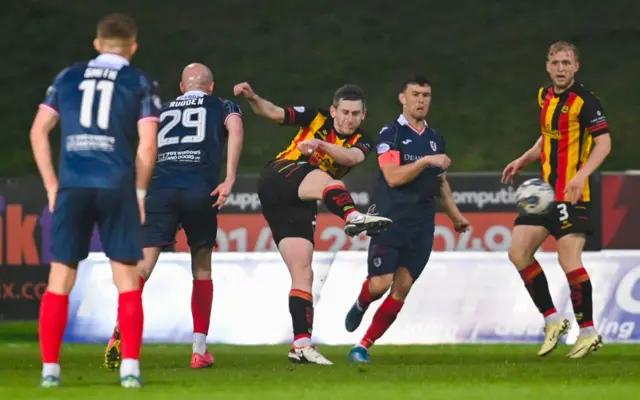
43,124
260,106
447,202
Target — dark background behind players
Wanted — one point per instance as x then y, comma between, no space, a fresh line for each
488,62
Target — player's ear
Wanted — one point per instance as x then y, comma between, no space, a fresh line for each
364,113
182,88
401,98
332,111
211,86
134,48
97,45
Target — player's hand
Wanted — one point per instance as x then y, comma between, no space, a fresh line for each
141,210
52,192
511,171
222,191
461,224
441,161
245,90
308,146
575,187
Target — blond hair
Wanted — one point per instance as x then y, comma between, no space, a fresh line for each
557,47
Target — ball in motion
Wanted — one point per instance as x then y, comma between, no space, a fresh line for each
534,197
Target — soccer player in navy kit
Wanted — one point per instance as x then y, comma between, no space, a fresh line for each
185,190
413,162
103,106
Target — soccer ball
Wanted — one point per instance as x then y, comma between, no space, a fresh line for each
534,197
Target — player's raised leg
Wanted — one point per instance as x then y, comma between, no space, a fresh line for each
570,257
318,185
297,254
526,238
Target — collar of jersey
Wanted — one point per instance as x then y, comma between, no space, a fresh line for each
109,59
192,93
402,120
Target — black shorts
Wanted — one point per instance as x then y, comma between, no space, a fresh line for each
169,208
562,219
286,214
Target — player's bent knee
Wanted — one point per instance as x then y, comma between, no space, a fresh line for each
378,285
521,258
402,283
569,249
313,185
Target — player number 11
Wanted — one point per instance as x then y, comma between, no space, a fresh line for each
89,88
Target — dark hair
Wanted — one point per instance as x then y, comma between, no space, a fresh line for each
117,26
415,79
348,92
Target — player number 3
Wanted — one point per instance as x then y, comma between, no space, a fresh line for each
190,118
562,209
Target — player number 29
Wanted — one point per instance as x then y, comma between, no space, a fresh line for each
89,87
562,209
190,118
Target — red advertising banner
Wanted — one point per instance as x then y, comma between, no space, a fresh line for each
250,232
620,214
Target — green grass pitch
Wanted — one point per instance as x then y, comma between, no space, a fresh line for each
263,372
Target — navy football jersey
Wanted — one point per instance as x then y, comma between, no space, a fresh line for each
99,104
191,141
416,198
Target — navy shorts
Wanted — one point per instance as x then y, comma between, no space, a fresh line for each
77,210
168,209
396,248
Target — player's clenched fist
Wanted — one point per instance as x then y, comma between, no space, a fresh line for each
309,146
438,160
244,89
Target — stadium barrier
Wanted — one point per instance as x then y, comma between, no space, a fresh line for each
462,297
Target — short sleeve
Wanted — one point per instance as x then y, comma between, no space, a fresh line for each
299,116
364,144
443,150
150,103
51,100
230,109
592,116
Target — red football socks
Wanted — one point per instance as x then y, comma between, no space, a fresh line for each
382,320
201,302
54,312
131,323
